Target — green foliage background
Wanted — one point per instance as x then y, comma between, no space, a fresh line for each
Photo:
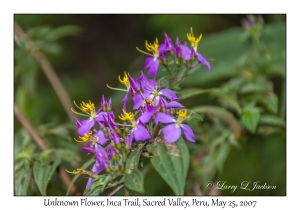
88,58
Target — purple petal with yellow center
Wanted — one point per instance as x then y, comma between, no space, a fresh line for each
188,133
171,133
101,138
141,133
152,64
85,127
170,94
164,118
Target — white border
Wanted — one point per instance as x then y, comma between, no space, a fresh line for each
8,8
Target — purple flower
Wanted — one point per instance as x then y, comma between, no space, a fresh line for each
152,93
134,85
138,130
188,53
167,45
152,62
85,126
97,168
150,110
100,164
172,131
97,139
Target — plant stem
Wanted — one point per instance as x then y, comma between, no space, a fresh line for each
116,190
42,145
46,68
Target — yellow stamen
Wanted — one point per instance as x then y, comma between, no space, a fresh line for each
182,115
86,136
125,81
150,102
152,47
88,108
127,116
193,40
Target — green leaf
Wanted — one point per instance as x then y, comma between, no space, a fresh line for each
171,161
250,118
223,114
253,87
43,170
22,181
272,120
98,185
135,181
69,156
62,32
187,93
133,158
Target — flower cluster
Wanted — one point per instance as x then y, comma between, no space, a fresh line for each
178,51
155,108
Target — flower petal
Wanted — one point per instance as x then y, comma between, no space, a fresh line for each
99,116
101,138
146,116
164,118
101,152
202,60
141,133
171,133
85,126
89,183
186,52
174,104
97,168
138,101
170,94
188,133
152,64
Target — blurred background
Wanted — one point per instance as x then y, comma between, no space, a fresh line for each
90,51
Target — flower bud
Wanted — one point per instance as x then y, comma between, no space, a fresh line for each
193,54
88,149
172,112
134,85
103,104
164,59
145,154
109,105
128,142
118,130
112,152
116,138
126,130
127,171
